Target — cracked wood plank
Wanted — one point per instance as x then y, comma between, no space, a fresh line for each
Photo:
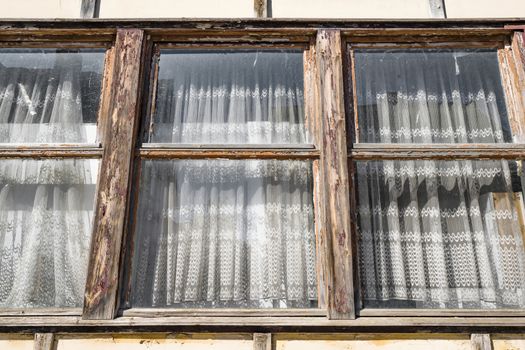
100,300
334,178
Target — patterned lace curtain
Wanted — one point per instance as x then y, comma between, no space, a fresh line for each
233,97
46,206
443,234
225,233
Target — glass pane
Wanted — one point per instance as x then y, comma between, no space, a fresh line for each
441,234
232,97
225,233
49,95
46,214
431,96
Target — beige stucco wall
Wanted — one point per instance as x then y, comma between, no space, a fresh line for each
175,8
351,8
280,8
181,341
40,8
157,342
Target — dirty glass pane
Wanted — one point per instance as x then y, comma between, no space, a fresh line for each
229,97
431,96
50,95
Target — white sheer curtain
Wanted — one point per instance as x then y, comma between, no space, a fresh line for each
46,206
49,97
230,97
225,233
46,209
438,233
431,97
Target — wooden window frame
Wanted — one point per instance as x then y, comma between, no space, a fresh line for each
328,91
59,151
165,151
509,48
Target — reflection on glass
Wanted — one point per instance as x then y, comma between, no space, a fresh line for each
431,96
49,95
441,234
230,97
46,212
225,233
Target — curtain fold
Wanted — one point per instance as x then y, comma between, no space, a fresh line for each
46,213
443,234
225,233
230,97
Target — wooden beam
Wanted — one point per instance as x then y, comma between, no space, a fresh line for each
456,324
100,301
89,9
160,153
260,8
262,341
44,341
480,342
334,177
371,151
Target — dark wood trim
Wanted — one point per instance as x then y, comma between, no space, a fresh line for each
67,324
100,301
162,153
89,8
334,177
369,312
50,152
481,342
44,341
166,312
262,341
371,151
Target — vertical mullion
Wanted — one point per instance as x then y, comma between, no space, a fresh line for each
514,98
44,341
312,123
334,178
100,300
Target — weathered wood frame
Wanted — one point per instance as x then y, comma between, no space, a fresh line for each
509,48
36,151
145,150
326,62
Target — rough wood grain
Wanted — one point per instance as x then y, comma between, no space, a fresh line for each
511,86
262,341
334,174
371,151
231,154
480,342
260,8
518,55
100,299
69,324
44,341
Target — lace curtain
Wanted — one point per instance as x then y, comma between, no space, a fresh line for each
235,97
225,233
48,96
46,206
443,234
428,96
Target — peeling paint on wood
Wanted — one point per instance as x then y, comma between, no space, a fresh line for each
334,177
100,300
